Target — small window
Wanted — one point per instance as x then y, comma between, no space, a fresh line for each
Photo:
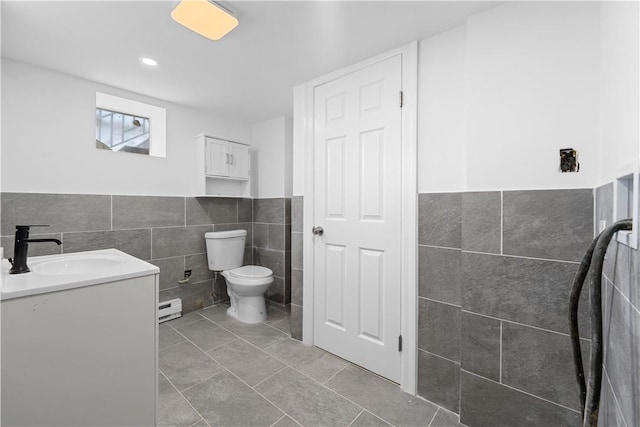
117,131
130,126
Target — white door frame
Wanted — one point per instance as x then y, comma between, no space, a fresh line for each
409,285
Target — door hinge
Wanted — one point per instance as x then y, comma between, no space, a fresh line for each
401,99
399,342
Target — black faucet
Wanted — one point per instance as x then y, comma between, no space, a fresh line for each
19,261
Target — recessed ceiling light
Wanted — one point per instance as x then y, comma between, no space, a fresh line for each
208,18
149,61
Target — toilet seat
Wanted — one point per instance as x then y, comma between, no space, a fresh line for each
251,272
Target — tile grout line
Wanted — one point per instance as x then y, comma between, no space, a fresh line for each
522,257
270,376
435,247
185,399
440,302
441,357
198,422
615,397
615,287
521,324
501,222
306,376
257,392
521,391
299,372
500,372
333,376
434,417
354,420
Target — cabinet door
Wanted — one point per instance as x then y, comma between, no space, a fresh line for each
217,157
239,159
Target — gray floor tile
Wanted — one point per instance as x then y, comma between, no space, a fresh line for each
194,316
247,362
283,325
286,421
445,418
202,423
173,409
381,397
206,334
258,334
185,365
312,361
218,314
168,336
306,401
367,419
224,400
274,315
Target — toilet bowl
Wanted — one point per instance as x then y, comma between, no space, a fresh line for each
247,284
246,287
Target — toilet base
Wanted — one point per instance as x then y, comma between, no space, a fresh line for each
248,309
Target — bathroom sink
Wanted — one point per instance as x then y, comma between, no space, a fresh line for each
53,273
77,264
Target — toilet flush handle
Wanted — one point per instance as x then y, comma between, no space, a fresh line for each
317,230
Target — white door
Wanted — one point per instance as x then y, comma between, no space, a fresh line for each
217,157
357,265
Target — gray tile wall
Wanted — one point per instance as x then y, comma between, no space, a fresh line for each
620,399
297,203
272,242
166,231
439,298
493,290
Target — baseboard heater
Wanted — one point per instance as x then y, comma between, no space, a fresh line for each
169,310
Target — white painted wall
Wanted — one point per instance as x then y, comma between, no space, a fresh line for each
271,158
509,89
298,140
619,139
533,72
48,139
442,131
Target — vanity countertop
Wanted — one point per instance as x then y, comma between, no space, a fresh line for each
69,271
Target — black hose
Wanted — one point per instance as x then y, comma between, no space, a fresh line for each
595,255
576,289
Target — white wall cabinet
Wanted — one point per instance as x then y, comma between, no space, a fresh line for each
222,168
226,159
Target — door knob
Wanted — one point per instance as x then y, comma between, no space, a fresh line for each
317,230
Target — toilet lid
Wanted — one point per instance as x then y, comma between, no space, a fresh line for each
251,271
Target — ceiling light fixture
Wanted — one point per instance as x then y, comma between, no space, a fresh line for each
208,18
149,61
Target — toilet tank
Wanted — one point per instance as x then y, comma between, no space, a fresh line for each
225,249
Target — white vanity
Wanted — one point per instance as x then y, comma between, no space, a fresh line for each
79,341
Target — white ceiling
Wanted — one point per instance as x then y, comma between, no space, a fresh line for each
249,74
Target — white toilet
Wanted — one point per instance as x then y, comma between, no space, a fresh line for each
245,285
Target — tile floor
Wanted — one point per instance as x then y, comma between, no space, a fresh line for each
215,371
